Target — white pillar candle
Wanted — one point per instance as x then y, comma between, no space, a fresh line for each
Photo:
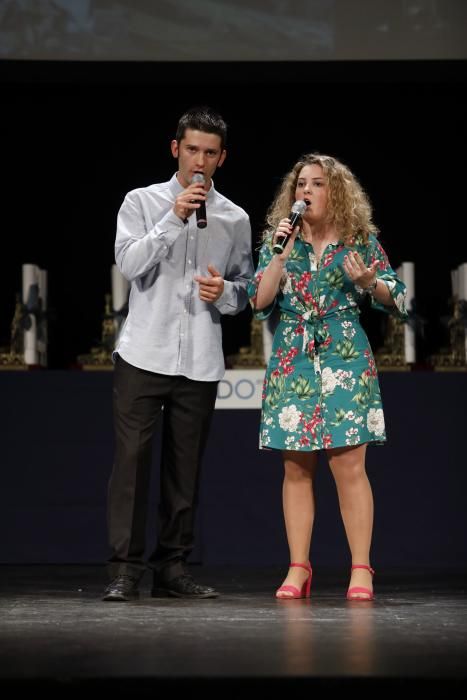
462,281
407,274
462,285
31,355
42,340
455,283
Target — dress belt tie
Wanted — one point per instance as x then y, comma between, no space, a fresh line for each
313,328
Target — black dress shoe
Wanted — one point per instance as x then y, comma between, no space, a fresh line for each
182,586
123,587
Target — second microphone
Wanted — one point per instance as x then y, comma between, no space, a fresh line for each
201,220
297,210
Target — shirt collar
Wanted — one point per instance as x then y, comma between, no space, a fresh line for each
175,187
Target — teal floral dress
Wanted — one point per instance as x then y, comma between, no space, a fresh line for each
321,386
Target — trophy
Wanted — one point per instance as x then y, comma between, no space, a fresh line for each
115,312
253,355
454,357
398,351
28,336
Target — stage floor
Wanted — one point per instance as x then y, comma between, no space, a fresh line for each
57,634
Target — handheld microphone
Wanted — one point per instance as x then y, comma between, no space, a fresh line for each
201,220
297,210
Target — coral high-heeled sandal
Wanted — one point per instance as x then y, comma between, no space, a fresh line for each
296,593
360,589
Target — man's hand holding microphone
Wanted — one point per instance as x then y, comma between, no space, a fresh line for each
193,198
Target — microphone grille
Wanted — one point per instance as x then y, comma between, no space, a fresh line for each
198,177
299,206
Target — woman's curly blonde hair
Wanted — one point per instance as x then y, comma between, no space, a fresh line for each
349,208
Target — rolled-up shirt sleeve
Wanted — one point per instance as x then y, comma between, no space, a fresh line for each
386,274
239,271
265,256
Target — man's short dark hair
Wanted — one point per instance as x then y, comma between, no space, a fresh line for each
202,119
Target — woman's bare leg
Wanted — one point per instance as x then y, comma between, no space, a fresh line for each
299,511
356,505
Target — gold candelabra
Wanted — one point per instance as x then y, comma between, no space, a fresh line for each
454,357
100,357
13,358
391,356
253,354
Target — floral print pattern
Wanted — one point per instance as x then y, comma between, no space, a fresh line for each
321,386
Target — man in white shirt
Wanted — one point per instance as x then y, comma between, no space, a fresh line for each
186,250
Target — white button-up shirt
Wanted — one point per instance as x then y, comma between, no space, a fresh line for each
169,330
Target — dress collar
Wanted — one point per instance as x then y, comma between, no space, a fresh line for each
334,244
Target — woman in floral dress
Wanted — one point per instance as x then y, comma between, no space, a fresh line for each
321,388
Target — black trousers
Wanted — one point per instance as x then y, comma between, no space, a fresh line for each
139,399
